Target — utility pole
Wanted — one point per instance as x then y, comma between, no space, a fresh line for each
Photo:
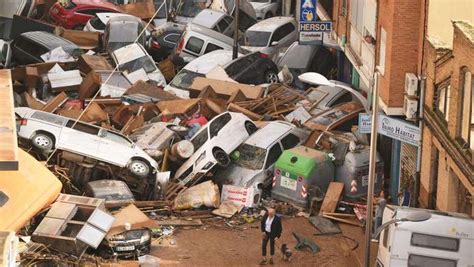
372,164
236,29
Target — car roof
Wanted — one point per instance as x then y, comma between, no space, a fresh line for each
208,17
106,16
210,33
128,53
97,3
49,40
267,135
271,24
206,62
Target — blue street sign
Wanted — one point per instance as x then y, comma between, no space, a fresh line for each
308,11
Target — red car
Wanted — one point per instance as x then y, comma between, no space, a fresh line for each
74,14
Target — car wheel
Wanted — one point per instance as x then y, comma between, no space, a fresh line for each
268,15
221,157
250,127
42,141
271,76
139,168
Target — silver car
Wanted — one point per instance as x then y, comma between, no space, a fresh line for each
253,161
47,131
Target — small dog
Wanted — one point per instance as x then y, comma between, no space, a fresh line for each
286,252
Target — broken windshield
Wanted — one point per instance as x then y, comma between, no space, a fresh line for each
143,62
184,79
250,157
260,39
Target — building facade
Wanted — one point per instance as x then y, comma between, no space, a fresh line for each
447,173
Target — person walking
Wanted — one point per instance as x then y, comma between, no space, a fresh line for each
271,230
381,203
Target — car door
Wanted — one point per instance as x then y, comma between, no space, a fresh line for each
273,154
115,148
82,139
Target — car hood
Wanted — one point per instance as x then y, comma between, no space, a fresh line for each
237,175
257,6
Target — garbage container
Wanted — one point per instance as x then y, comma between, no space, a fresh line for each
354,173
300,174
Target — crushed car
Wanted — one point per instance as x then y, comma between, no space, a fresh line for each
47,131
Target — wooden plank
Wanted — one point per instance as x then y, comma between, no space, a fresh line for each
226,89
333,194
248,113
55,103
8,141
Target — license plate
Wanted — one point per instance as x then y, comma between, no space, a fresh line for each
288,183
125,248
365,180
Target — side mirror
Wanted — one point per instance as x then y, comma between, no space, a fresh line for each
274,43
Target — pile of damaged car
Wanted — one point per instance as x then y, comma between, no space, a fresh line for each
132,125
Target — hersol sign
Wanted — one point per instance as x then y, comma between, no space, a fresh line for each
399,129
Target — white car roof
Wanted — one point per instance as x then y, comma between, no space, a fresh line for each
129,53
266,136
208,17
271,24
207,62
104,17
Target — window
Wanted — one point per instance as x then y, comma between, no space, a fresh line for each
47,117
30,48
467,114
83,127
363,16
211,47
385,237
172,38
218,123
194,45
343,8
434,242
282,32
424,261
199,139
222,25
273,155
383,40
115,137
443,92
290,141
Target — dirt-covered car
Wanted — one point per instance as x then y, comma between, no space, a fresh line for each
47,131
213,143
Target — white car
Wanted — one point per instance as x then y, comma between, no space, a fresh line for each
266,8
216,20
213,143
132,58
47,131
270,36
199,67
253,161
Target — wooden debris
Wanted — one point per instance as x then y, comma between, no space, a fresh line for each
55,103
333,194
248,113
180,222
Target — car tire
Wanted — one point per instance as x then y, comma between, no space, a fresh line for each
250,127
139,168
43,142
270,76
221,157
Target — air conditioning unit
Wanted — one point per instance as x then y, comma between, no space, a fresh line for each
410,107
411,84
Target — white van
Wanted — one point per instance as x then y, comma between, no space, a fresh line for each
444,240
198,40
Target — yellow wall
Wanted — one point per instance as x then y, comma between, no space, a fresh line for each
440,14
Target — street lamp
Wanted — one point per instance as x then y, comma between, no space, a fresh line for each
417,216
318,79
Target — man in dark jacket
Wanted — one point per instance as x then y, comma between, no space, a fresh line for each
271,229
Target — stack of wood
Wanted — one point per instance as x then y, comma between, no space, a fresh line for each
278,102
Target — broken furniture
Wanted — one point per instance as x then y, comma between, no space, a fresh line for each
73,224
